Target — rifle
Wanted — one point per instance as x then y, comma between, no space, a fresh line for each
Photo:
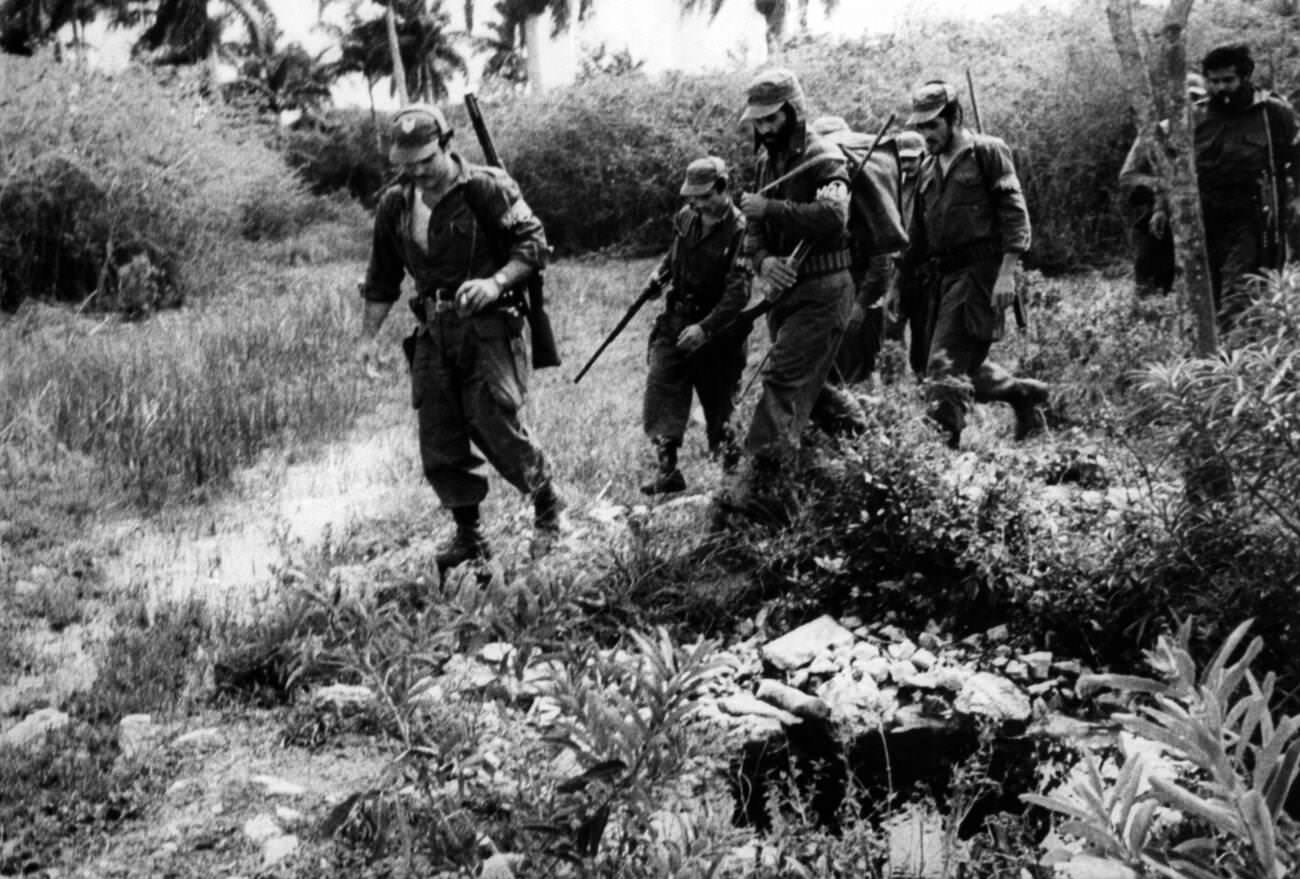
545,353
1276,248
1017,304
652,290
748,316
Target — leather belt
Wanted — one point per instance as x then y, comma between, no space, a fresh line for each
819,264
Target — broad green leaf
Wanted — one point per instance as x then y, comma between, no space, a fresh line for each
1053,804
1140,826
1101,839
1279,785
1089,683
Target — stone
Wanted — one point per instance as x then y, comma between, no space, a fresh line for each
32,729
893,633
1039,663
496,653
795,701
951,677
847,698
800,647
742,704
901,671
877,668
277,848
900,650
207,738
923,658
863,650
137,734
343,694
288,816
1016,669
993,696
999,632
825,664
278,787
260,828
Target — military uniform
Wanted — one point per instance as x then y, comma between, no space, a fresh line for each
806,322
468,370
1153,254
964,220
705,289
1243,235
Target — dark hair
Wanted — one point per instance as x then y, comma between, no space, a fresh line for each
1234,55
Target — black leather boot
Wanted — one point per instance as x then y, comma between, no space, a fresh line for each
467,543
668,478
547,506
1030,408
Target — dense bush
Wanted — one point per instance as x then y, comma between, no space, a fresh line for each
100,172
338,153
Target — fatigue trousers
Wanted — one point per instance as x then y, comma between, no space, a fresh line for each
964,327
1235,247
805,326
712,373
468,380
1153,258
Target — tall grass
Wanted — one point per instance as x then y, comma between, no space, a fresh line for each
180,403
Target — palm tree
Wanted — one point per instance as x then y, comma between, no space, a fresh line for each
774,14
427,53
26,25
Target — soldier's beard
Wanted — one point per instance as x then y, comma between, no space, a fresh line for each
1233,100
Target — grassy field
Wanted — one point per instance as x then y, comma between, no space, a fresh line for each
201,513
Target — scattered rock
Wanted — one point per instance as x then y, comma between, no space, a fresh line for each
278,787
205,739
993,696
340,695
496,653
277,848
794,701
33,728
137,734
741,704
800,647
260,828
1039,663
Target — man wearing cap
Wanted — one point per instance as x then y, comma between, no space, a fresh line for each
796,243
468,239
1248,174
911,302
1153,246
969,228
705,292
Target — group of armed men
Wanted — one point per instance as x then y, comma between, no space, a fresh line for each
947,274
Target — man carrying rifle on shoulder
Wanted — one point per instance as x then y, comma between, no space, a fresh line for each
469,241
968,231
796,242
695,344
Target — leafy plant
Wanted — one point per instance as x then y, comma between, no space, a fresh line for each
1244,763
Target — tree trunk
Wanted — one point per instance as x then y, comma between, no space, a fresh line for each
773,12
1173,151
395,49
533,41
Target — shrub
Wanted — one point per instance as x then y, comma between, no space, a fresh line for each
100,171
340,154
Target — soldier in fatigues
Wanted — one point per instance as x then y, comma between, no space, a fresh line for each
693,346
1248,174
1154,265
969,229
468,239
812,296
913,308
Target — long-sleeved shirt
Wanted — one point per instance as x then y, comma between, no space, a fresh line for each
708,284
977,202
805,207
482,225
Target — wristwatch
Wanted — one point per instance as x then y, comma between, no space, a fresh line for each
500,278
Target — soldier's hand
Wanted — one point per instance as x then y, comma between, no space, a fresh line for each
1004,291
753,206
367,356
691,338
890,303
1158,225
778,273
475,295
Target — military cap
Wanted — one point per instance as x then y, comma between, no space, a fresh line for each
770,90
824,125
909,144
929,101
415,132
702,174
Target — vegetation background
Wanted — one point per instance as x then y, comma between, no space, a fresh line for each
177,274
